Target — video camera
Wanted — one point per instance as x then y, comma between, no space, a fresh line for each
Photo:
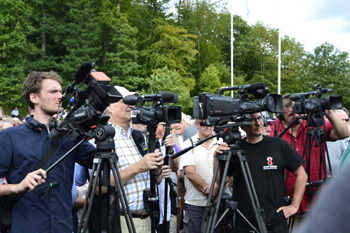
158,112
85,115
304,105
219,109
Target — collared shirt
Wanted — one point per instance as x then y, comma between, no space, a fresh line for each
202,158
128,154
21,150
298,144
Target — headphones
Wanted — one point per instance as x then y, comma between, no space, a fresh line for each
36,125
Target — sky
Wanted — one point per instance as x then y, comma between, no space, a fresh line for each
311,22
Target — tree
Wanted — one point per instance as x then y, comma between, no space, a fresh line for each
14,29
330,68
164,79
209,80
174,48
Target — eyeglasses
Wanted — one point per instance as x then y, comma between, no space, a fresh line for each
255,119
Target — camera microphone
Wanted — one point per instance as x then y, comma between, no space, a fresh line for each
131,100
166,96
255,86
83,71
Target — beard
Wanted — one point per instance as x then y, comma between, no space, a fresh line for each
48,111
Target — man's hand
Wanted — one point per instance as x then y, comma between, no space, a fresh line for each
32,180
166,171
215,191
169,142
220,149
288,210
151,161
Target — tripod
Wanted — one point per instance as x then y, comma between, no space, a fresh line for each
104,161
231,136
316,136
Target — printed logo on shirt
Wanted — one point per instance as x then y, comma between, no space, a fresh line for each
270,164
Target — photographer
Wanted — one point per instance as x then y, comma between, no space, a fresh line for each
267,158
134,163
296,137
47,206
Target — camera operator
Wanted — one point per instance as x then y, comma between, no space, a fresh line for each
47,206
296,137
133,162
267,158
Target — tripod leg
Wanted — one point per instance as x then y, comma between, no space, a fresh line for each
222,186
123,199
251,191
86,199
91,193
208,209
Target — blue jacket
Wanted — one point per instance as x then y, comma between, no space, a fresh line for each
21,149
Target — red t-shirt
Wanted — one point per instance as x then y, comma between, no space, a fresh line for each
316,171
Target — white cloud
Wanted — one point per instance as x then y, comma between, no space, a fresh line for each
312,22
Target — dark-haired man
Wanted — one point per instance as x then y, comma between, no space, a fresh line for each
296,137
47,206
267,158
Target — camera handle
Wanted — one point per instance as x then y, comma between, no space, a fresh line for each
289,126
153,198
166,181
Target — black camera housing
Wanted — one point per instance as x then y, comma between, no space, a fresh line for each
219,109
304,105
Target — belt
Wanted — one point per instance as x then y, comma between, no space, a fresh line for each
136,215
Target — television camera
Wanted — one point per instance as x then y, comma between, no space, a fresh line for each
219,109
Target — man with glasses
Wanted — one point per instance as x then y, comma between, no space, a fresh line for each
267,158
198,166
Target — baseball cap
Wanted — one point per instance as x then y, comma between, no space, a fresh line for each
125,92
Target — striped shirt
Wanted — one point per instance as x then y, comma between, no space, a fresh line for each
128,155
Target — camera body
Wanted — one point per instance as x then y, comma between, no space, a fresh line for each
84,115
219,109
304,105
158,112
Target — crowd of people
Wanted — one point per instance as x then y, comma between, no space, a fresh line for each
282,167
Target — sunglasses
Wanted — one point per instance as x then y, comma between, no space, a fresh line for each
346,120
202,123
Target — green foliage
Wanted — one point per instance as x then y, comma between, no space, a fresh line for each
174,48
167,80
146,45
330,68
13,50
209,80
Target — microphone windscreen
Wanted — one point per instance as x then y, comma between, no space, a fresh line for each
167,96
256,86
82,72
130,100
